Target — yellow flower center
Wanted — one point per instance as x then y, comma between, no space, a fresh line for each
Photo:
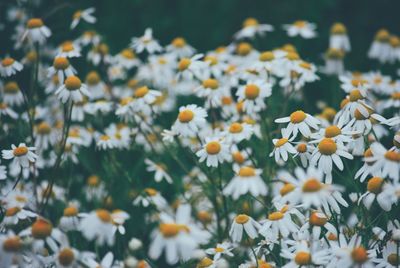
281,142
20,151
396,96
242,218
311,186
34,23
70,211
11,87
382,35
204,216
300,23
327,146
251,91
302,148
67,46
338,28
185,116
247,172
73,83
355,95
243,49
128,54
302,258
375,185
12,211
44,128
297,117
392,156
238,157
287,188
316,220
205,262
236,128
12,244
305,65
332,131
210,83
333,53
179,42
359,255
275,216
213,147
150,191
267,56
292,56
7,62
184,64
226,100
61,63
141,92
41,228
103,215
66,256
172,229
393,259
125,101
211,59
77,14
250,22
92,78
93,180
219,249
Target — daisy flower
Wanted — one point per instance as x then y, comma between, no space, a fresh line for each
279,223
317,222
238,132
146,42
213,92
62,68
384,193
301,28
246,180
309,190
339,38
305,255
380,47
144,97
86,15
299,121
386,162
180,48
37,32
21,155
68,49
11,250
70,219
15,214
283,146
191,119
151,196
194,67
98,226
246,223
73,89
214,151
252,28
253,95
177,236
390,256
12,94
159,169
5,110
304,151
220,250
327,152
9,67
105,142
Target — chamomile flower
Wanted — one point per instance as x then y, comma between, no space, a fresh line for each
381,191
317,222
12,94
86,15
327,152
251,28
180,48
191,119
70,219
390,256
283,146
73,89
380,48
194,67
237,132
62,68
151,196
247,180
299,121
159,169
338,38
303,254
386,162
220,250
253,95
146,42
212,91
21,155
215,151
301,28
36,31
9,67
243,222
97,225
